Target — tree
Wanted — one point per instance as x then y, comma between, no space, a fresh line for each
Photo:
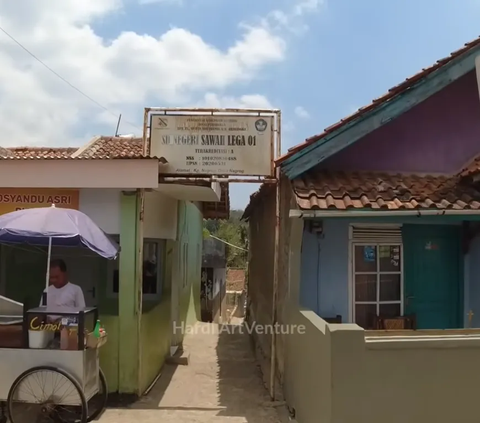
233,231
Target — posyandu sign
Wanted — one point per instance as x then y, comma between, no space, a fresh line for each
12,199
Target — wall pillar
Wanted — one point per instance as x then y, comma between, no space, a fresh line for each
129,296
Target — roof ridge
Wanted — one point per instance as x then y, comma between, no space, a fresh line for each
86,147
4,152
390,94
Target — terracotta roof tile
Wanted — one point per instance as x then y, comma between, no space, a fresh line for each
357,190
40,153
472,168
112,148
98,148
392,92
256,198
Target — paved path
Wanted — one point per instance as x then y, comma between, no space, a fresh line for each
222,384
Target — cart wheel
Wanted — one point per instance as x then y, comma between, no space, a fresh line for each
99,401
46,394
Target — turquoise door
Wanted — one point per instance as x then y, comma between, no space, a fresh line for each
433,275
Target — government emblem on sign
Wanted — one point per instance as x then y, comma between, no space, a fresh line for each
162,122
261,125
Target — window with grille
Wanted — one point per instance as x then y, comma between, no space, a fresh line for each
377,274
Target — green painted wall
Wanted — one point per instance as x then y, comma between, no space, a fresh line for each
128,353
156,325
190,242
155,339
156,332
109,352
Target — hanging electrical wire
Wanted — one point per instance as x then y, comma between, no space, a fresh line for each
63,79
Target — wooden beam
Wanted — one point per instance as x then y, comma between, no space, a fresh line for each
351,132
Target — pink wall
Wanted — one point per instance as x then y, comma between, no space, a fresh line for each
438,136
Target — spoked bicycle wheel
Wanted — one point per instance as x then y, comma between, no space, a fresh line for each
99,401
46,395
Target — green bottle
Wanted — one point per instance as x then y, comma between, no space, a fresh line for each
96,331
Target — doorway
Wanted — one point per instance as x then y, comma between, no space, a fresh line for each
433,275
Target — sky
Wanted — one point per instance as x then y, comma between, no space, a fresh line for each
316,60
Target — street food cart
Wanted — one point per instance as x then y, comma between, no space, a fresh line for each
42,379
49,384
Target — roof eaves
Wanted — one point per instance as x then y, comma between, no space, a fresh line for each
255,199
298,159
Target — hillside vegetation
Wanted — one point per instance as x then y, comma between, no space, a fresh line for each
232,231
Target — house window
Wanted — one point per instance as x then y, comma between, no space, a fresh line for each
377,282
152,269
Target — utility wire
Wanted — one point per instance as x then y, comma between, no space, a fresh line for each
225,242
62,78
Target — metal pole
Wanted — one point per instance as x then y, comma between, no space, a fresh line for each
49,256
275,287
118,124
145,135
276,261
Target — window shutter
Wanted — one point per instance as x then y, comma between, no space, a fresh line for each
390,234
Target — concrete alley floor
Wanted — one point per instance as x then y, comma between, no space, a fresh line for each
221,384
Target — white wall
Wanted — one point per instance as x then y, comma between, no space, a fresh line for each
122,174
103,207
219,278
160,216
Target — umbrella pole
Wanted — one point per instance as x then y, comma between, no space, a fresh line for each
49,256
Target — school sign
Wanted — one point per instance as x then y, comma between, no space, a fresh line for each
238,144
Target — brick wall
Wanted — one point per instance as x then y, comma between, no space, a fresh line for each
261,265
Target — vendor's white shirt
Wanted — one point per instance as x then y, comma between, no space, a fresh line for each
69,295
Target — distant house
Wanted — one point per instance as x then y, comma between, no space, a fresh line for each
235,280
213,283
379,230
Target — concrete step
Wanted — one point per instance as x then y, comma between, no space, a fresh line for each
180,358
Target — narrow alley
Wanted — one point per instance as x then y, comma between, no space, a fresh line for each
221,384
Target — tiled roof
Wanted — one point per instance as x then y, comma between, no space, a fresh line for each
112,148
357,190
256,198
472,168
392,92
40,152
99,148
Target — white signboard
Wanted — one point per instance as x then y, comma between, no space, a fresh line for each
213,145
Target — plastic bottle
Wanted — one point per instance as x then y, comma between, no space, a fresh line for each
64,338
96,331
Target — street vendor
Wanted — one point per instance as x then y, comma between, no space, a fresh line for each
61,292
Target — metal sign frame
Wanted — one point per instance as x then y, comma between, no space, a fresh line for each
275,142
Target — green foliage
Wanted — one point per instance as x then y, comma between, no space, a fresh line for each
206,232
235,232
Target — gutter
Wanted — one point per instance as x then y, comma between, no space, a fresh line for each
309,214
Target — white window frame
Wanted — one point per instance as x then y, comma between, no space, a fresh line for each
113,265
161,249
352,274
